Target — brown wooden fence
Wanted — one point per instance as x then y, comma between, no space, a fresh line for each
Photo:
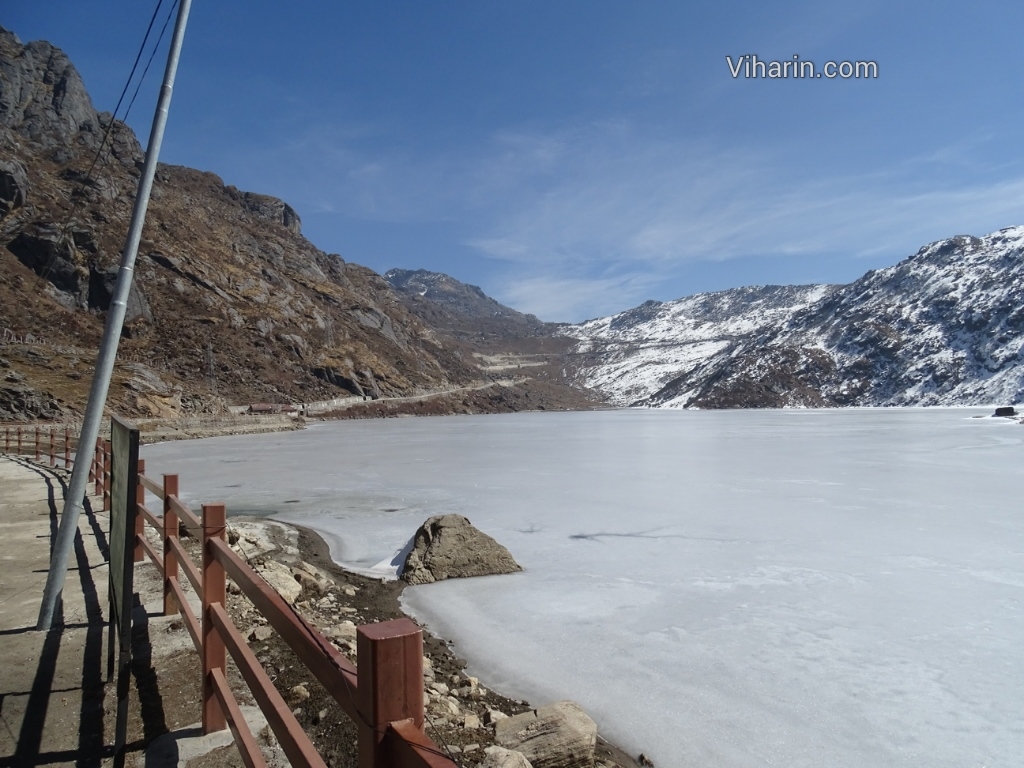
383,695
53,442
58,445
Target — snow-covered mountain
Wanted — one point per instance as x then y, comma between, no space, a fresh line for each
943,327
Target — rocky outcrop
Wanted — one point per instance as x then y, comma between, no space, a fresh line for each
13,186
229,301
42,96
467,300
18,402
65,261
499,757
448,546
461,310
270,209
44,103
44,249
560,735
281,578
102,283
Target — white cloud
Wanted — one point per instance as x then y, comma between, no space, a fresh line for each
655,203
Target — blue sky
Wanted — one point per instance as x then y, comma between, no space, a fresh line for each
577,157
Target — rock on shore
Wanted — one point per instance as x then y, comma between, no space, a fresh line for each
448,546
560,735
464,716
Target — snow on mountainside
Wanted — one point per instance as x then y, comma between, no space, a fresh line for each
632,355
943,327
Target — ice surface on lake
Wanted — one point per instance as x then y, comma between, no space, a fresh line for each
741,588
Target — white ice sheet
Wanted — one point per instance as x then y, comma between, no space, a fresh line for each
789,588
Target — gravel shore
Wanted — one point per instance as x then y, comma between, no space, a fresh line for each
461,709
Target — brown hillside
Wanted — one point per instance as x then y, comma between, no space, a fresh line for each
231,303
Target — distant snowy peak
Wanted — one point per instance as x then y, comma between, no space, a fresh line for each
706,315
943,327
631,356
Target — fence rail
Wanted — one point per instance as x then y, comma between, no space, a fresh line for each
383,694
56,443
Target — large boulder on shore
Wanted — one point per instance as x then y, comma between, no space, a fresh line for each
560,735
448,547
499,757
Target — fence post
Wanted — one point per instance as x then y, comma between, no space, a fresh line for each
106,475
140,521
170,532
390,673
53,449
37,442
19,441
67,448
214,591
97,467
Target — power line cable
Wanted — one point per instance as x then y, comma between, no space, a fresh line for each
152,55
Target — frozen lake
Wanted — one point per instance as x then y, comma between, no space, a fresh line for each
737,588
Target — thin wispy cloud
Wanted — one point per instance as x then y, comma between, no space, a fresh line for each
644,209
561,297
592,218
657,202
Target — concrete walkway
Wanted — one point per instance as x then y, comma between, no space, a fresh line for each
51,683
57,706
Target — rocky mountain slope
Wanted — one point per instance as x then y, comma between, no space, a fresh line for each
632,355
506,345
461,310
943,327
230,304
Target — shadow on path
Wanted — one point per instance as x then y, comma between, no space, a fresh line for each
90,750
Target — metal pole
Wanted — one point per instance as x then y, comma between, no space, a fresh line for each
111,335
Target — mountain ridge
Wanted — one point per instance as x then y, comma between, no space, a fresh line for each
460,309
943,327
230,302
